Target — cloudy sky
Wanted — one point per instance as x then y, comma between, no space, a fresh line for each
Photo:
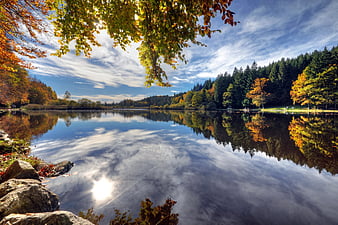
268,31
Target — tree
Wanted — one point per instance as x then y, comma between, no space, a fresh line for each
228,96
14,87
163,27
220,85
20,21
318,89
40,93
67,95
325,87
257,93
197,99
298,92
256,127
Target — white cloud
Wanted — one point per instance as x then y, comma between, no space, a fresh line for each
111,98
199,173
268,31
107,66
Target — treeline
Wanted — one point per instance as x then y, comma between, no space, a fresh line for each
309,79
17,89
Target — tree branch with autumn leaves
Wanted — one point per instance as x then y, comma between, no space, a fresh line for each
162,27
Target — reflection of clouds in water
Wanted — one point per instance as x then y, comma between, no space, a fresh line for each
104,118
209,181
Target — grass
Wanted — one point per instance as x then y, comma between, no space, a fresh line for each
13,150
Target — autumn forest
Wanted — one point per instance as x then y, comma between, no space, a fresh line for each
309,80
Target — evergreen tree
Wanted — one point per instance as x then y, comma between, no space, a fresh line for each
221,84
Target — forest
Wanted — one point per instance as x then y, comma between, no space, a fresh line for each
309,80
17,88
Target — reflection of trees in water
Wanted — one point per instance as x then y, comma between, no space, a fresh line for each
317,140
268,133
256,126
26,126
310,141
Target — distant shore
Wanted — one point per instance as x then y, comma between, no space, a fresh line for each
281,110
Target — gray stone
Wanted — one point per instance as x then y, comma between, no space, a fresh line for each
13,184
49,218
20,170
28,196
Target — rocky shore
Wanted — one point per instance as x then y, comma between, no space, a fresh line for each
24,200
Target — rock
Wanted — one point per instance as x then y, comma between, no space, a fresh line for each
26,196
53,170
20,170
13,184
49,218
63,167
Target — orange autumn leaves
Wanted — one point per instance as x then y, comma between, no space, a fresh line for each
20,22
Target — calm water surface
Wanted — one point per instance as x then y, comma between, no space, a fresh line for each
220,168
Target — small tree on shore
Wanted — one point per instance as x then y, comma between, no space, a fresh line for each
67,95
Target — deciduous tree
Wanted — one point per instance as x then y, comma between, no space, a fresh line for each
257,93
163,27
20,22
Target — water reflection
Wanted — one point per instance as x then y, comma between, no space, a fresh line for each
27,126
306,140
208,174
102,190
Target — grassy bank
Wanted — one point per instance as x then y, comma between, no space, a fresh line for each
12,150
298,110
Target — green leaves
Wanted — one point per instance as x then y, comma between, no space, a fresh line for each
164,27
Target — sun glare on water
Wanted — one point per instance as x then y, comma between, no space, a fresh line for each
103,189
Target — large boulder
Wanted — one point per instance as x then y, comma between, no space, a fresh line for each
49,218
20,170
26,196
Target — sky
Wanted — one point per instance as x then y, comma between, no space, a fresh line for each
268,31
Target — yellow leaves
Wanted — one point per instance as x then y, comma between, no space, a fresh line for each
256,127
165,27
257,92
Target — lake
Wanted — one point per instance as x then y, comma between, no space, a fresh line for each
221,168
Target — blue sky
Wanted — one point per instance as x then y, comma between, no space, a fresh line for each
268,30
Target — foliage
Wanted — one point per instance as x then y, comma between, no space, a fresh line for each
67,95
91,216
20,22
17,89
256,126
25,127
163,28
7,159
18,146
317,85
317,140
13,87
257,93
14,149
230,91
148,215
40,93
